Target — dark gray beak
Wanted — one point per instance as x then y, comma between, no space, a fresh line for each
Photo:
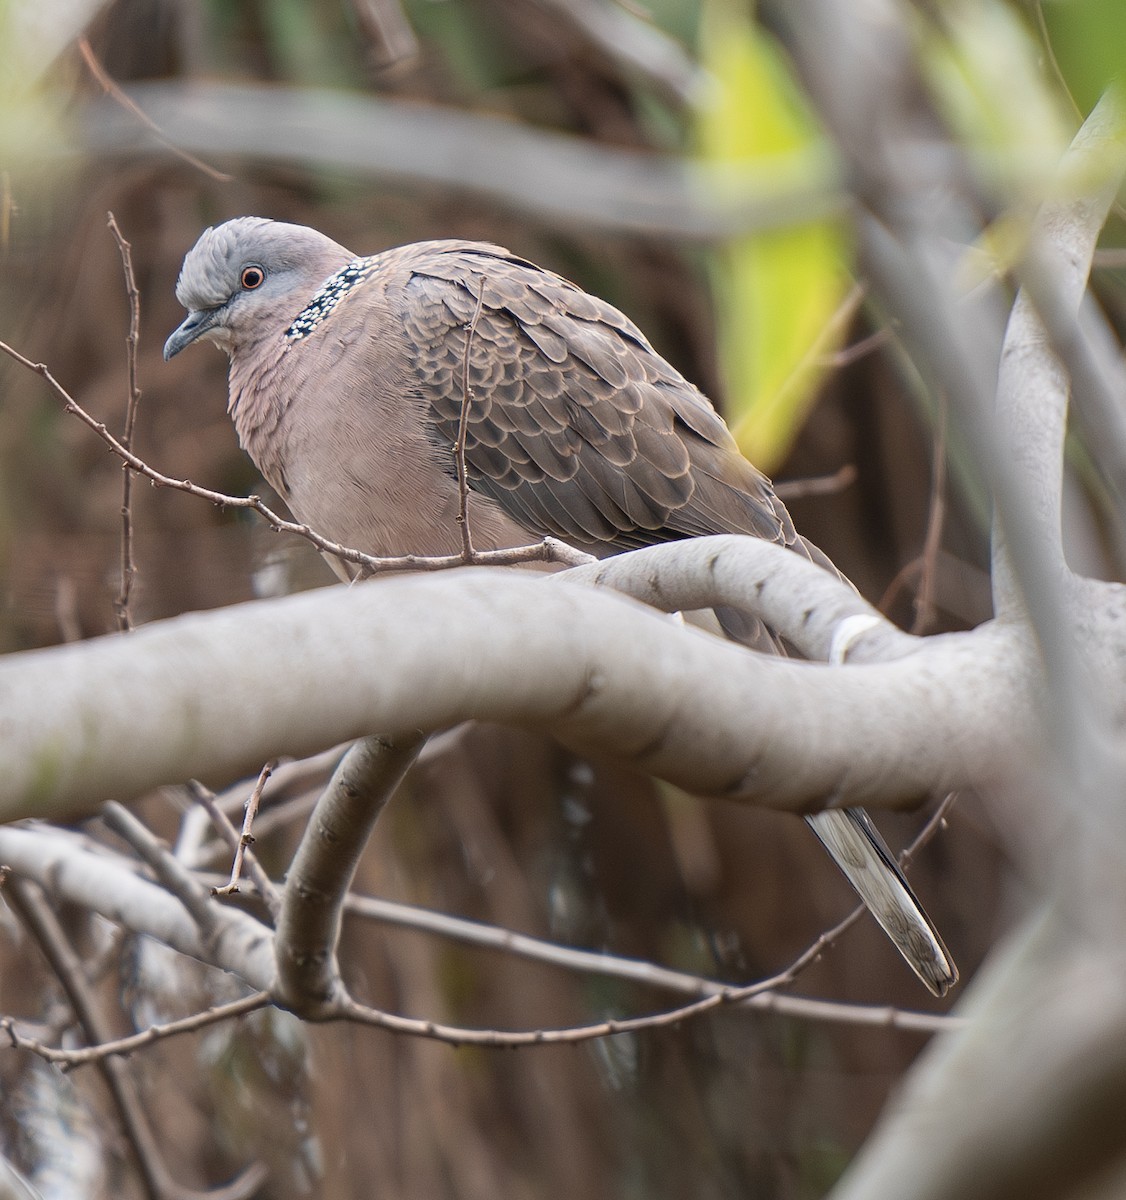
195,325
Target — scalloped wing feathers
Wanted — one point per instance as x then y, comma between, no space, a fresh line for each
575,425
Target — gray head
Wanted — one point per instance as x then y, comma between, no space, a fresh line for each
249,277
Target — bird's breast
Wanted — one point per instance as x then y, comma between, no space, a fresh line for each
340,435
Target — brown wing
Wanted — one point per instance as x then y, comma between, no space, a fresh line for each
576,426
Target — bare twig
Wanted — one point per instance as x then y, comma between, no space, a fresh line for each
263,884
648,974
172,874
128,566
462,429
246,838
847,355
631,42
124,1046
1053,62
44,925
548,550
112,90
719,994
924,565
820,485
899,581
924,593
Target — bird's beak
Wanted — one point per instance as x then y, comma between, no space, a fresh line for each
195,325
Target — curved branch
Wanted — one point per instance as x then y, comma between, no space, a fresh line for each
217,693
803,602
1033,384
318,881
63,865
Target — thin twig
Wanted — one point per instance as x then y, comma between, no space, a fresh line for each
847,355
720,995
44,926
171,873
128,565
935,822
462,432
899,581
246,838
124,1046
632,970
548,550
263,884
632,40
925,564
818,485
1053,62
111,89
932,542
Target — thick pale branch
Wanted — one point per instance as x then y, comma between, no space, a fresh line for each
1025,1102
322,870
798,599
64,865
1042,1063
215,694
1033,387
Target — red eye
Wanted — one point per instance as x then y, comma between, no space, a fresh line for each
252,277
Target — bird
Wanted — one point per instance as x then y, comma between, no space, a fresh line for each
348,376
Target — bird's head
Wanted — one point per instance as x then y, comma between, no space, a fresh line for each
248,278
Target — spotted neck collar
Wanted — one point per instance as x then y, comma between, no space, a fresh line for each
328,296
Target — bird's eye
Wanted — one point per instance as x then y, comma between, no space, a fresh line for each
252,277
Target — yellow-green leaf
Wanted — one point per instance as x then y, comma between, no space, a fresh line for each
776,292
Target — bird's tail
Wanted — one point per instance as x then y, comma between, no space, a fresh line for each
858,849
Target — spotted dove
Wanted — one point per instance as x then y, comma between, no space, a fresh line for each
347,378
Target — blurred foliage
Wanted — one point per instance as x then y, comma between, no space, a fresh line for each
776,291
30,108
990,76
1087,39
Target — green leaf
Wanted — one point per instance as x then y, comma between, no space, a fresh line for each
1088,40
776,292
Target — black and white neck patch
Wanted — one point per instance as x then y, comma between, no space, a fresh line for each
328,296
